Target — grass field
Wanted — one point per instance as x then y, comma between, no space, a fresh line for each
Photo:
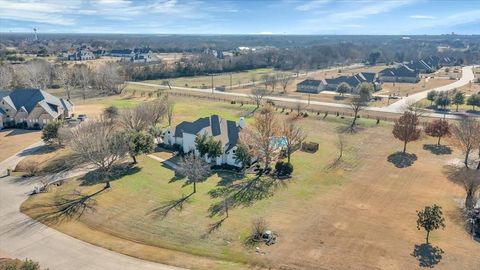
360,213
221,79
14,140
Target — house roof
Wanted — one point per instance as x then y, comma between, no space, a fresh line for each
419,65
350,80
401,71
310,82
28,98
222,130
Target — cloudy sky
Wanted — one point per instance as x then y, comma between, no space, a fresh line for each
242,16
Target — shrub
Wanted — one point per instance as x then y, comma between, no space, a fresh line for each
259,225
31,168
283,168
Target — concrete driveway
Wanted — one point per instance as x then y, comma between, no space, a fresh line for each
21,237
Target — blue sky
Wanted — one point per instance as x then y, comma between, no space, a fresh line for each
242,16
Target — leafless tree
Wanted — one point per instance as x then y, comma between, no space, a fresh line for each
264,128
465,136
265,79
356,105
6,77
144,115
284,82
195,169
170,109
294,135
66,79
97,142
298,108
110,78
35,74
467,178
273,82
82,78
257,95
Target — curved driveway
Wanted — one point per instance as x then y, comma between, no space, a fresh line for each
21,237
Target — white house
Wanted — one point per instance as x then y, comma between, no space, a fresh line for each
32,106
225,131
137,55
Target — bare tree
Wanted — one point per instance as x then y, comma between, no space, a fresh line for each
195,169
273,82
66,79
357,104
97,142
36,74
110,77
257,95
6,77
284,82
465,134
144,115
294,135
468,179
170,109
264,128
82,78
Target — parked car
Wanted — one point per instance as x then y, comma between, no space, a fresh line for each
82,117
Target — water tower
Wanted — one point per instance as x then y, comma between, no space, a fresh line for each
35,33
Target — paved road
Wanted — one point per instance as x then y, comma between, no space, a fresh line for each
467,76
22,237
399,106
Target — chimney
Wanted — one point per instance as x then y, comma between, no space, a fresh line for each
241,123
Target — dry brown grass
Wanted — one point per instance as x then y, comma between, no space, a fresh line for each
14,140
360,215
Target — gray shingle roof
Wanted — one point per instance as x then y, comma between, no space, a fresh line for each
310,82
225,131
28,98
401,71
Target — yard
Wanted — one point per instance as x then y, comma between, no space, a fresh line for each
359,213
14,140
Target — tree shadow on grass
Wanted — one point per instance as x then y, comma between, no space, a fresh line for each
66,163
65,207
243,193
117,172
213,227
166,207
427,255
438,149
402,160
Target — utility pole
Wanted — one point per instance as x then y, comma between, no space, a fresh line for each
308,99
212,85
231,82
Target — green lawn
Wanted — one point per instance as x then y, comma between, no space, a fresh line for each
132,208
221,79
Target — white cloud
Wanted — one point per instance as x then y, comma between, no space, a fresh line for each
311,5
51,12
422,17
367,9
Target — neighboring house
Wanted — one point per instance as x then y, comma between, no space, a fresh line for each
225,131
32,106
137,55
401,73
311,86
100,53
422,66
354,81
81,55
